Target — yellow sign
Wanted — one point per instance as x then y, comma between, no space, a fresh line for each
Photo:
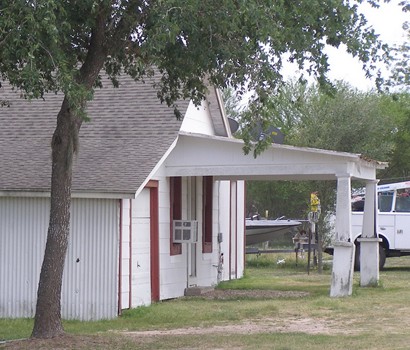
314,202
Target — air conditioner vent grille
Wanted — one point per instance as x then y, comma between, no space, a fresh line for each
185,231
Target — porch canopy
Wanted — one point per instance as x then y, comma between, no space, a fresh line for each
224,159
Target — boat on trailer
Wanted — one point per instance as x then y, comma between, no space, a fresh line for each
263,230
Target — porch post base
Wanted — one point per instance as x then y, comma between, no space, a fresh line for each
369,261
342,271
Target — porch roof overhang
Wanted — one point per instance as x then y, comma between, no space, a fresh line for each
223,158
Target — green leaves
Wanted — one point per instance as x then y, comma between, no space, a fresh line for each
43,44
401,57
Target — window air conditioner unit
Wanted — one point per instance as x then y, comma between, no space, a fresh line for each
185,231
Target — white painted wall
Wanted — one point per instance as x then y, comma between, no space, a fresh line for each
198,120
173,269
23,229
233,231
206,271
173,273
224,224
141,264
90,278
90,281
90,286
125,254
240,217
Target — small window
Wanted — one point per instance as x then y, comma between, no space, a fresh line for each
403,201
175,210
207,214
385,201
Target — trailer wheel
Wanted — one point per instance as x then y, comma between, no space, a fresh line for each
382,257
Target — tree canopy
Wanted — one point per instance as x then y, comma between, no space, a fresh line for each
46,45
348,120
343,119
401,56
64,45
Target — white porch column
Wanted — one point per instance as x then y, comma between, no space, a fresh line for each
344,248
369,242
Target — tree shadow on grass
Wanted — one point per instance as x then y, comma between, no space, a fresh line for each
396,268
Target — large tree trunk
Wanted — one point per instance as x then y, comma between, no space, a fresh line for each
47,322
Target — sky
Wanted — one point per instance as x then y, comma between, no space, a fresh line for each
387,21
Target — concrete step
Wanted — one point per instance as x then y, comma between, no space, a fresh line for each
197,290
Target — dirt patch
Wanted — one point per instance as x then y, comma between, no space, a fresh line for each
117,340
266,325
253,294
64,342
252,326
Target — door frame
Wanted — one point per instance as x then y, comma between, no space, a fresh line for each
154,241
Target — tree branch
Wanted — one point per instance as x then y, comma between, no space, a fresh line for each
128,22
97,51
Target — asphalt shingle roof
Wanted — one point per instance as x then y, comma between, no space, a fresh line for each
129,132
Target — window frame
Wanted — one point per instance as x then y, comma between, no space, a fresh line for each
207,213
175,195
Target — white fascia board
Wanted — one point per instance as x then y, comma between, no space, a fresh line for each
353,156
197,155
24,193
45,194
262,172
157,166
223,112
101,195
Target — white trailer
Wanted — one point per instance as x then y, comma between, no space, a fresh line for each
393,220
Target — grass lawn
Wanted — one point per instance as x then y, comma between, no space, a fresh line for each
279,306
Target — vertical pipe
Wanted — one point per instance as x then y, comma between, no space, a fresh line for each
120,260
236,229
154,244
130,269
244,226
230,229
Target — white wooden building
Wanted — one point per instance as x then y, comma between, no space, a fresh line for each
137,171
120,253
